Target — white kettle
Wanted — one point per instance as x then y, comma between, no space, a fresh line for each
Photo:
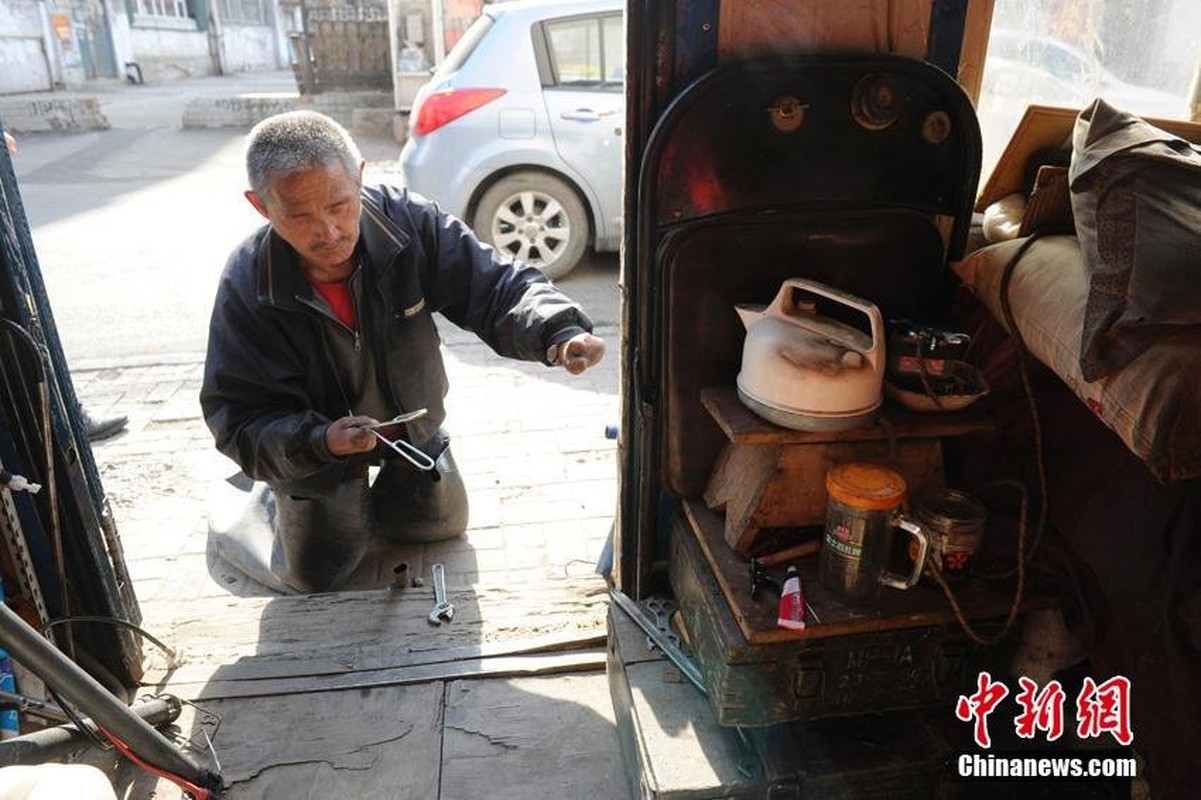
809,372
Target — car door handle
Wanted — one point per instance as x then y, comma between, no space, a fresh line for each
586,114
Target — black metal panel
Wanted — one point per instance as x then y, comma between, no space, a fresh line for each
877,134
945,42
722,148
696,39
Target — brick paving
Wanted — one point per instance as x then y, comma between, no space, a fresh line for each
542,478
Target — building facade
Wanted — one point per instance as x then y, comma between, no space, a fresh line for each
51,44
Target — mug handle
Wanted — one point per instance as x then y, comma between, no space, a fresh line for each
923,541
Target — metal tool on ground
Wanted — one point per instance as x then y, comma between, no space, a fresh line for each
443,609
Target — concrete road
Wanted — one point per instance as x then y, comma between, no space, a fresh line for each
133,225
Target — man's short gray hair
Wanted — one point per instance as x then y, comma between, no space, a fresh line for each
294,141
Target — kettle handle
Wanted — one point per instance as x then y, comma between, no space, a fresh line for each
782,306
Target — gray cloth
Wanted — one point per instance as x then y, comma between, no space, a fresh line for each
313,542
1136,199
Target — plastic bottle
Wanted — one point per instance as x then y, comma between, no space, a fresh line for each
792,602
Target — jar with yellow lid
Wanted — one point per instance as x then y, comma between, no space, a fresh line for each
864,507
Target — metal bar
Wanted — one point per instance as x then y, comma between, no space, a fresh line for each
82,690
945,42
670,649
18,551
32,705
466,669
696,40
62,740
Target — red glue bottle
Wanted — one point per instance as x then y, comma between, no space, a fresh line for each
792,602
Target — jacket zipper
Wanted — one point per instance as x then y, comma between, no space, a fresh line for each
324,314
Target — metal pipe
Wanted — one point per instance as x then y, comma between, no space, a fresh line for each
83,691
51,743
32,705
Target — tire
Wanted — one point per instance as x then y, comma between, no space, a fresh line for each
535,218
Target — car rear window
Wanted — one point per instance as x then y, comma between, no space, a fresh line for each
466,45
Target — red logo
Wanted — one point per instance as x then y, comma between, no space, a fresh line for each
978,706
1041,711
1105,709
1100,708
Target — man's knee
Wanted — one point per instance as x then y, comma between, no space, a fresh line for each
315,578
321,539
54,781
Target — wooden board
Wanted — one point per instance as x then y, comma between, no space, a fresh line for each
823,26
467,668
743,426
975,45
1050,126
530,738
381,743
258,638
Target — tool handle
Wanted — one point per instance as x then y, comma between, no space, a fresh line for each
788,554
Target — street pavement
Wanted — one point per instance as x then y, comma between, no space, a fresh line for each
133,224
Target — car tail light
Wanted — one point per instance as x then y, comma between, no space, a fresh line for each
450,104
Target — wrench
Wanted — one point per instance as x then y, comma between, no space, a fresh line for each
443,609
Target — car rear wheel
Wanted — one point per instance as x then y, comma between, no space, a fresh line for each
535,218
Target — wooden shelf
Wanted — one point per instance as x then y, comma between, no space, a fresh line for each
924,605
743,426
768,476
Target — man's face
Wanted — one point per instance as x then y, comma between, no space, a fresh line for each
316,210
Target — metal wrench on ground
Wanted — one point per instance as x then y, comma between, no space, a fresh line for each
443,609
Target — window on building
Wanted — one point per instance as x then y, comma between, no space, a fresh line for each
244,11
162,8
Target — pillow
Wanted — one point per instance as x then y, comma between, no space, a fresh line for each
1153,403
1003,219
1136,198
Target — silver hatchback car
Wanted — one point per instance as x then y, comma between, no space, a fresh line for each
518,133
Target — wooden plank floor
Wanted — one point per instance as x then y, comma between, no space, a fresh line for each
355,694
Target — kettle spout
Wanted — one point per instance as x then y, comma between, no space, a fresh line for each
749,313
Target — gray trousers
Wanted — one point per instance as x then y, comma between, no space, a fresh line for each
312,542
